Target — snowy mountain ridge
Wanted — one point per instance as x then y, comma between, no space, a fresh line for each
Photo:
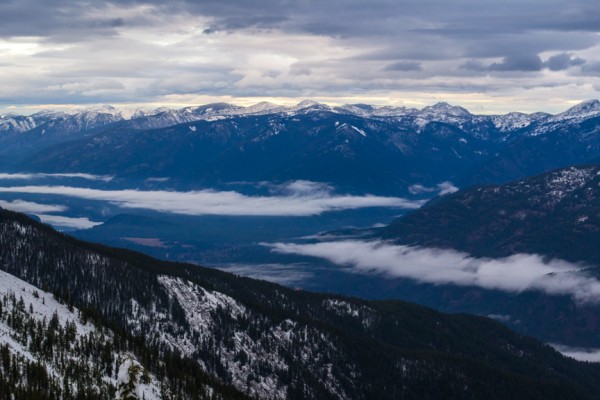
213,144
143,118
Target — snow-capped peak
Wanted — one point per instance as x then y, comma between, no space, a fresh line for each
583,110
99,109
515,120
574,115
306,104
447,109
262,107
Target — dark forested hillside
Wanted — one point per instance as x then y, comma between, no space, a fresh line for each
273,342
555,214
51,350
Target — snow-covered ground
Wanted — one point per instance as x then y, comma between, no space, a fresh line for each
201,307
42,306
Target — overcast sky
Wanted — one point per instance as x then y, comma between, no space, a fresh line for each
489,56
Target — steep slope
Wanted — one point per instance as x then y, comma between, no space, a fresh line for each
274,342
50,350
556,214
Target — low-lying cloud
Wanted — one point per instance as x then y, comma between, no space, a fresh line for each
299,188
44,213
30,176
301,199
29,207
516,273
60,221
283,274
581,354
441,188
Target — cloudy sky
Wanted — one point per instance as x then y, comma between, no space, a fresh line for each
487,56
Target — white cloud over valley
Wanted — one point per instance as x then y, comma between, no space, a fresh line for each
60,221
302,198
46,213
517,273
581,354
29,207
441,188
283,274
31,176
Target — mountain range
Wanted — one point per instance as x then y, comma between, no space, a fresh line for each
358,148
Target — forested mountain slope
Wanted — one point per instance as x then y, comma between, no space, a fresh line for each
273,342
556,214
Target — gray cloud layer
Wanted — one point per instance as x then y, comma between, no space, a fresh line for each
300,198
381,50
516,273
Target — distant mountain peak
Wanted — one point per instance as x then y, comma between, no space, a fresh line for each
583,110
441,105
263,106
307,103
363,106
307,106
100,109
584,106
588,103
446,108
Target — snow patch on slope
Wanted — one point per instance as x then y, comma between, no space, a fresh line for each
241,352
44,304
134,383
43,307
360,131
568,180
